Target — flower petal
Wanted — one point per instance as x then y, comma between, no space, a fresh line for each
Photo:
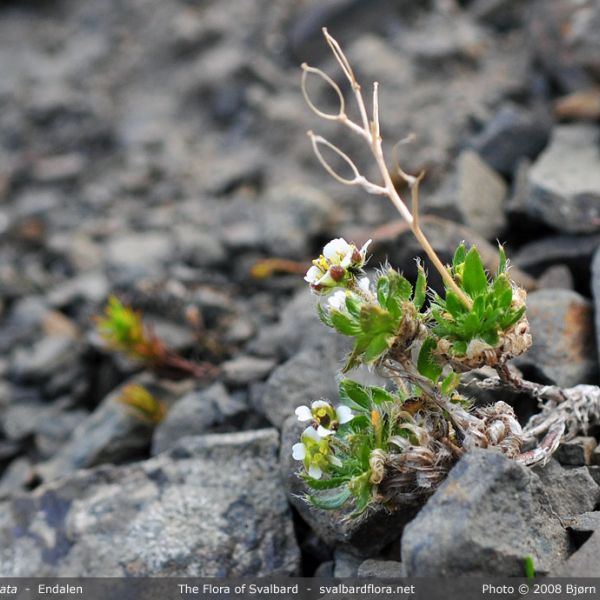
320,404
324,432
334,460
363,250
364,284
299,451
335,248
313,274
311,433
315,472
303,413
337,301
344,413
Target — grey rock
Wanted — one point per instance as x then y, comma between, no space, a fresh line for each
576,452
21,419
52,432
594,471
47,357
213,506
90,287
585,523
564,182
569,491
595,458
139,252
365,536
564,348
480,195
584,562
15,477
22,321
381,569
196,413
511,135
346,564
112,433
242,370
325,569
306,377
489,514
595,283
557,277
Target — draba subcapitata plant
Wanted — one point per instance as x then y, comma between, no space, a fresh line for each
394,444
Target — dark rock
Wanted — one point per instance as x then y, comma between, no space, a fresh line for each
513,134
594,471
48,356
196,413
499,514
325,569
501,14
365,536
584,562
569,491
242,370
213,506
346,564
381,569
576,452
112,433
563,350
595,458
564,182
573,251
306,377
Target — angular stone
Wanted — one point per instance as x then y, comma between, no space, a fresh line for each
196,413
112,433
584,562
306,377
365,536
511,135
381,569
213,506
489,514
245,369
564,348
576,452
570,491
480,195
564,183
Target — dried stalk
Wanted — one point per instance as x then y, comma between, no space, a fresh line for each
370,131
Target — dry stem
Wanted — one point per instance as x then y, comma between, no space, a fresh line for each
370,131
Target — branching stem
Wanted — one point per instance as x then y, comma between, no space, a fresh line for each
371,132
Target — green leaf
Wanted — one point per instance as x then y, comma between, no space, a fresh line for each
324,484
378,345
358,423
420,289
332,502
427,363
501,260
380,395
375,320
450,383
354,395
454,305
400,287
475,281
479,306
459,255
502,291
511,318
324,316
344,324
490,337
460,348
353,305
383,290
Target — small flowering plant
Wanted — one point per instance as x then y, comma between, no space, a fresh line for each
393,444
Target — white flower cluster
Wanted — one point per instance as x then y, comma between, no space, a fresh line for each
314,448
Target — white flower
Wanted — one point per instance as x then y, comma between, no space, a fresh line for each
313,274
304,414
344,413
315,472
337,301
364,284
339,252
299,451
